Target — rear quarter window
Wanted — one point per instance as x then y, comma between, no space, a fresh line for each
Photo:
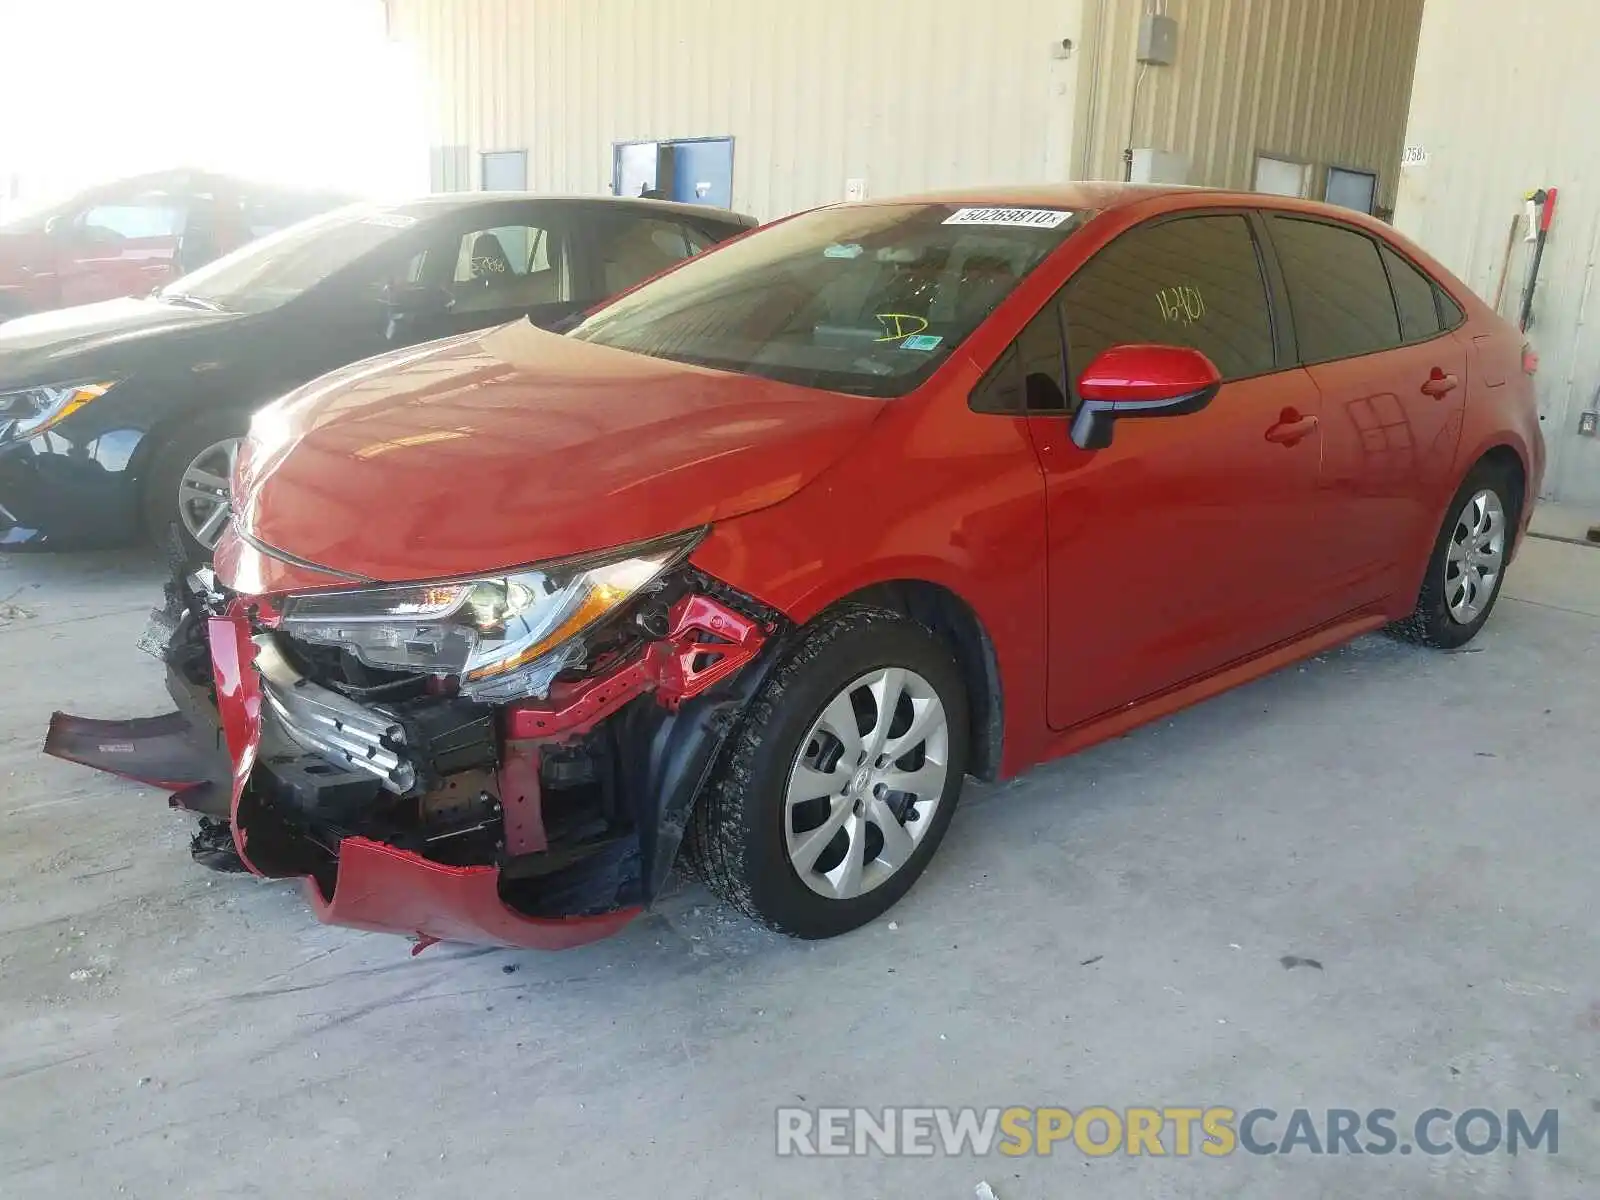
1450,313
1413,296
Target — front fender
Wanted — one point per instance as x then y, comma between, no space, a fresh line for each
981,538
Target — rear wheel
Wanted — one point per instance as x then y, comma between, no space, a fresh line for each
189,485
842,780
1468,565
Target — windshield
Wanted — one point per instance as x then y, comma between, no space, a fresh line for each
861,298
275,269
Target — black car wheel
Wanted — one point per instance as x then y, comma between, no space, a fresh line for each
841,781
189,484
1467,567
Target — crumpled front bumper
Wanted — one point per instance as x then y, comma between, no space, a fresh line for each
373,886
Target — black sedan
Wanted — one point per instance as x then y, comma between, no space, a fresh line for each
123,418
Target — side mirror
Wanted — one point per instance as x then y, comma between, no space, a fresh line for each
417,300
406,305
1140,381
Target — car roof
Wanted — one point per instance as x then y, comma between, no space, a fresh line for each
1101,197
424,206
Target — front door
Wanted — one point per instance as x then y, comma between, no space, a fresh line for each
1183,545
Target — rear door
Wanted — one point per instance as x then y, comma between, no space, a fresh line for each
1181,547
1393,386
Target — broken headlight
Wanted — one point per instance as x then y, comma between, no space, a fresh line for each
32,410
505,635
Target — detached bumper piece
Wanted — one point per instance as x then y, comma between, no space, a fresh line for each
544,823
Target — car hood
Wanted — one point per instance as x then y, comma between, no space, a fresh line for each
38,348
514,446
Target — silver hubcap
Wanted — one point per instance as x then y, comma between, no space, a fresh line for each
866,783
1476,557
204,500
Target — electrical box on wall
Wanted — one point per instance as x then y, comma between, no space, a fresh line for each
1158,166
1158,40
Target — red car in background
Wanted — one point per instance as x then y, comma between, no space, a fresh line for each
130,237
769,554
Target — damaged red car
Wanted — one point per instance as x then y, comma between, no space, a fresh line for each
760,561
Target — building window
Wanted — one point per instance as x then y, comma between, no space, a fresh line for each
505,171
1282,176
449,169
1351,189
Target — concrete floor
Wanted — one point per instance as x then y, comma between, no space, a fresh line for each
1422,824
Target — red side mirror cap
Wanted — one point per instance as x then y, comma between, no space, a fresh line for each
1140,381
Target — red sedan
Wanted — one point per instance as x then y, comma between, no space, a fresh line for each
767,556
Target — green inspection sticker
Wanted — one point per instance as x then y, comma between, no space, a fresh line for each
921,341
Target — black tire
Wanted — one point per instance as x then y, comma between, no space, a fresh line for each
160,495
1432,623
737,836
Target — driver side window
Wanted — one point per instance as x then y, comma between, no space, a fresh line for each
1192,281
510,266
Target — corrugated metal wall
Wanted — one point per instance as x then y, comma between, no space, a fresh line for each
1505,103
908,94
1323,81
913,94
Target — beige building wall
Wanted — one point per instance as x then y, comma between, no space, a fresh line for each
1506,102
1320,81
912,94
905,94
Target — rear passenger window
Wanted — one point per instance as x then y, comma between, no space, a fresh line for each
635,248
1413,295
1194,282
1337,289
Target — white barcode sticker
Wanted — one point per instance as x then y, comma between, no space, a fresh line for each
1030,218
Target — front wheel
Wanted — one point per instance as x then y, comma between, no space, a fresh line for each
1468,565
189,484
841,781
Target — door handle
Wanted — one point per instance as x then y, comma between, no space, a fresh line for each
1291,428
1439,384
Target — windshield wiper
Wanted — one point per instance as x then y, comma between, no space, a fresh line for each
188,301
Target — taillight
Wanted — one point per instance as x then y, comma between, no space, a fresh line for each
1530,360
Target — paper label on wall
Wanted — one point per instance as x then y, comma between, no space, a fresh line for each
1414,156
1031,218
